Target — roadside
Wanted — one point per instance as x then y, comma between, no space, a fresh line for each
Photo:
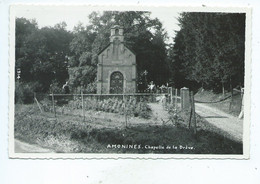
22,147
232,126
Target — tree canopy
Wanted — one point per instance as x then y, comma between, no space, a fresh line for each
208,50
142,34
41,53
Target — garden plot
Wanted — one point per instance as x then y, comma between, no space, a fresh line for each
106,132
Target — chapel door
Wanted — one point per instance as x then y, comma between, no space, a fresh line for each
116,83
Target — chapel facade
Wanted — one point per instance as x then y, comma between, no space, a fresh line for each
116,72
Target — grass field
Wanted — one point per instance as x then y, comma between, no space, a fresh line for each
106,133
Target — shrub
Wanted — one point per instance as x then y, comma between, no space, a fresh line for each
24,92
56,88
91,88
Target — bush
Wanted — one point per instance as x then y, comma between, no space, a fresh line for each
91,88
56,88
24,92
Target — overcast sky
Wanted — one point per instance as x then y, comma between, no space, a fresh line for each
51,15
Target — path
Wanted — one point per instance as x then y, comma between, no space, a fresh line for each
226,122
159,112
22,147
232,126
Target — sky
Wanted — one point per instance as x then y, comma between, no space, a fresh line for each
72,15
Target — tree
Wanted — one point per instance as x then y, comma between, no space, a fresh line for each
209,48
23,30
145,36
41,53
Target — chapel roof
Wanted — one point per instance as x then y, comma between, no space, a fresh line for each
109,45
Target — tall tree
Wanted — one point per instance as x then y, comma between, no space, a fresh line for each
41,53
209,48
144,35
23,30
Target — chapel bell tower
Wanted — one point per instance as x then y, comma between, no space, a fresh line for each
117,33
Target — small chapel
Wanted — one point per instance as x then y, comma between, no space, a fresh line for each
116,73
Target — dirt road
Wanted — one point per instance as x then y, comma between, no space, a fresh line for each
22,147
226,122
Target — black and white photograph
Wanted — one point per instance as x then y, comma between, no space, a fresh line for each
138,82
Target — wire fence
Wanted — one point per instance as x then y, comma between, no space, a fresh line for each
221,100
129,105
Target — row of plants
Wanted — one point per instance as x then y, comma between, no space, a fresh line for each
130,106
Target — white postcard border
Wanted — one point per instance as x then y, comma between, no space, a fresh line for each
247,103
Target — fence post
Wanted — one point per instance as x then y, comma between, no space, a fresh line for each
176,95
241,114
185,98
171,98
35,100
53,105
34,97
125,104
83,108
191,111
231,100
193,120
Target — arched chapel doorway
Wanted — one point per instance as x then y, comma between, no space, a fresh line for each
116,83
